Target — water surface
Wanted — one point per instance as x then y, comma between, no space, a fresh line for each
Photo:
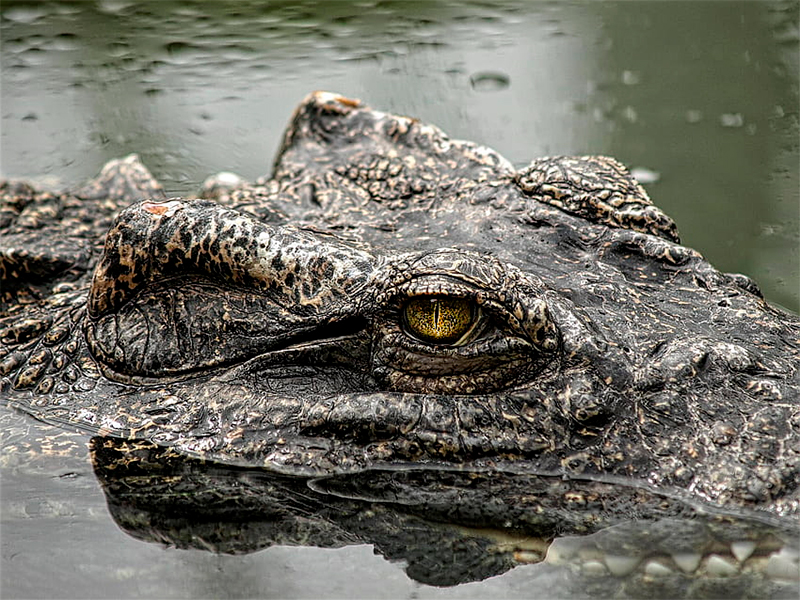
700,98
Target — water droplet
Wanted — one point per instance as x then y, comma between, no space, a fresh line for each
23,14
114,7
489,81
644,175
629,114
175,47
598,115
694,116
630,78
731,120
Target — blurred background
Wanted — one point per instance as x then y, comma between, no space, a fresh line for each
701,98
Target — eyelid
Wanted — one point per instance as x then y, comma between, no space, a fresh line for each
513,334
523,316
482,304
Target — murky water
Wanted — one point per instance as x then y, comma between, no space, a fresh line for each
700,98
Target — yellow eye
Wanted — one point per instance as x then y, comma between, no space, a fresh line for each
439,320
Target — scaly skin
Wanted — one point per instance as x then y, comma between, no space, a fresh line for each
264,325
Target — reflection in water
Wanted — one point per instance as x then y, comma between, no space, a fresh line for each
455,526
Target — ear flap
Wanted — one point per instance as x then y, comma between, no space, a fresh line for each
598,189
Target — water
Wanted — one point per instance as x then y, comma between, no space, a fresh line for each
703,93
144,522
701,98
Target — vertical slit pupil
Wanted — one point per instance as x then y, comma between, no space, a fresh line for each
439,320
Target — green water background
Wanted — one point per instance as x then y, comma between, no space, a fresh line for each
700,97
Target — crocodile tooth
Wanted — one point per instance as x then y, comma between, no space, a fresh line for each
742,550
656,569
594,567
790,553
527,556
719,567
784,565
687,561
621,565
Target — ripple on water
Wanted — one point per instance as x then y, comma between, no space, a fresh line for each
489,81
24,14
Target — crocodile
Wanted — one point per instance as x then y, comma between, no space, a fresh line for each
451,527
390,298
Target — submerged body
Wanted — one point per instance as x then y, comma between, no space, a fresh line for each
392,297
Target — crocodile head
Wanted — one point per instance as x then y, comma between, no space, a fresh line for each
391,297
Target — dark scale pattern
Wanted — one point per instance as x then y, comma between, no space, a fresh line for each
262,325
51,241
597,188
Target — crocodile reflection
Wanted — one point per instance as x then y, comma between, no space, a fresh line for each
456,526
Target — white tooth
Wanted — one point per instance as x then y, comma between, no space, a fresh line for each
784,565
594,567
686,561
790,553
719,567
527,556
621,565
656,569
742,550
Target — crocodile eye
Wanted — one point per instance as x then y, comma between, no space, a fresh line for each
439,320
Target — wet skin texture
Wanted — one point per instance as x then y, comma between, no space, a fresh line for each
390,297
